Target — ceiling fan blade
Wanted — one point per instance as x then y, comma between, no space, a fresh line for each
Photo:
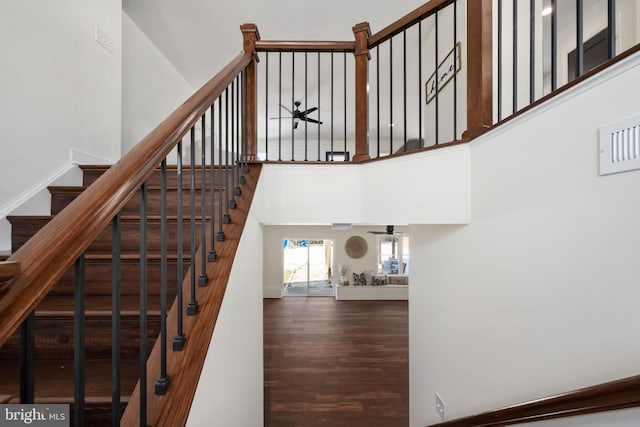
307,119
287,110
281,118
310,110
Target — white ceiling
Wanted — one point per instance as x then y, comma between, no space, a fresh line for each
199,37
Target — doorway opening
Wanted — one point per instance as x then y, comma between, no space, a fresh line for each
307,267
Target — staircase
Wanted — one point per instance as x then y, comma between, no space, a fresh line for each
54,316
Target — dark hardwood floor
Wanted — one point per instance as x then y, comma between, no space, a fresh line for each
336,363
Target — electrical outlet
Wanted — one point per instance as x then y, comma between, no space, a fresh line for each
104,39
440,407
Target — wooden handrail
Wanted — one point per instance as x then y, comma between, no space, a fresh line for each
9,270
610,396
54,249
407,21
304,46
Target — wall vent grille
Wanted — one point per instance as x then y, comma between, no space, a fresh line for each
620,146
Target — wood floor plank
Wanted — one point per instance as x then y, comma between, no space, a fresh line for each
336,363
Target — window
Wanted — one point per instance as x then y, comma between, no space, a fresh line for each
393,254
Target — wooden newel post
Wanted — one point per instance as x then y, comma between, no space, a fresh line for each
479,70
250,35
362,33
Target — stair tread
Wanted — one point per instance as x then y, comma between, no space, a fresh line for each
96,305
169,167
124,218
80,189
54,377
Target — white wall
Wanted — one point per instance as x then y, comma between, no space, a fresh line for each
59,89
230,391
151,86
539,293
273,251
426,188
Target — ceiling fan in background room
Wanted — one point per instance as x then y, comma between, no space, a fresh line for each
298,115
389,231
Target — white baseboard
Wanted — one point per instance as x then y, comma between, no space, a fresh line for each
36,199
32,192
81,158
272,293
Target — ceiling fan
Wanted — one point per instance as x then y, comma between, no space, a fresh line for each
298,115
389,231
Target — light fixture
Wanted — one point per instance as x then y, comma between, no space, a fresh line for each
547,11
341,226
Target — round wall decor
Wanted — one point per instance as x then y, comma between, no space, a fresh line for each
356,247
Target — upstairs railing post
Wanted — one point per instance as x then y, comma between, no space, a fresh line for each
362,32
479,70
250,35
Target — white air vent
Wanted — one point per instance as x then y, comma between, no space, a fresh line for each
620,146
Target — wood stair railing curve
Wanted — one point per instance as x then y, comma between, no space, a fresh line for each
611,396
54,249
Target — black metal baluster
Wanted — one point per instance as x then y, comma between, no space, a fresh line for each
202,279
115,321
579,36
78,343
404,87
162,383
221,189
319,118
266,106
554,45
391,124
611,27
345,100
293,100
455,70
532,51
332,82
437,95
192,308
378,98
179,339
232,202
515,57
244,159
420,83
280,106
226,218
306,107
143,305
237,164
212,238
500,59
27,359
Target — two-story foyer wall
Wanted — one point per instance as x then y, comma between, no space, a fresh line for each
59,91
539,293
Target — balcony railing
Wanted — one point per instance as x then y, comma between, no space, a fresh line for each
442,74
